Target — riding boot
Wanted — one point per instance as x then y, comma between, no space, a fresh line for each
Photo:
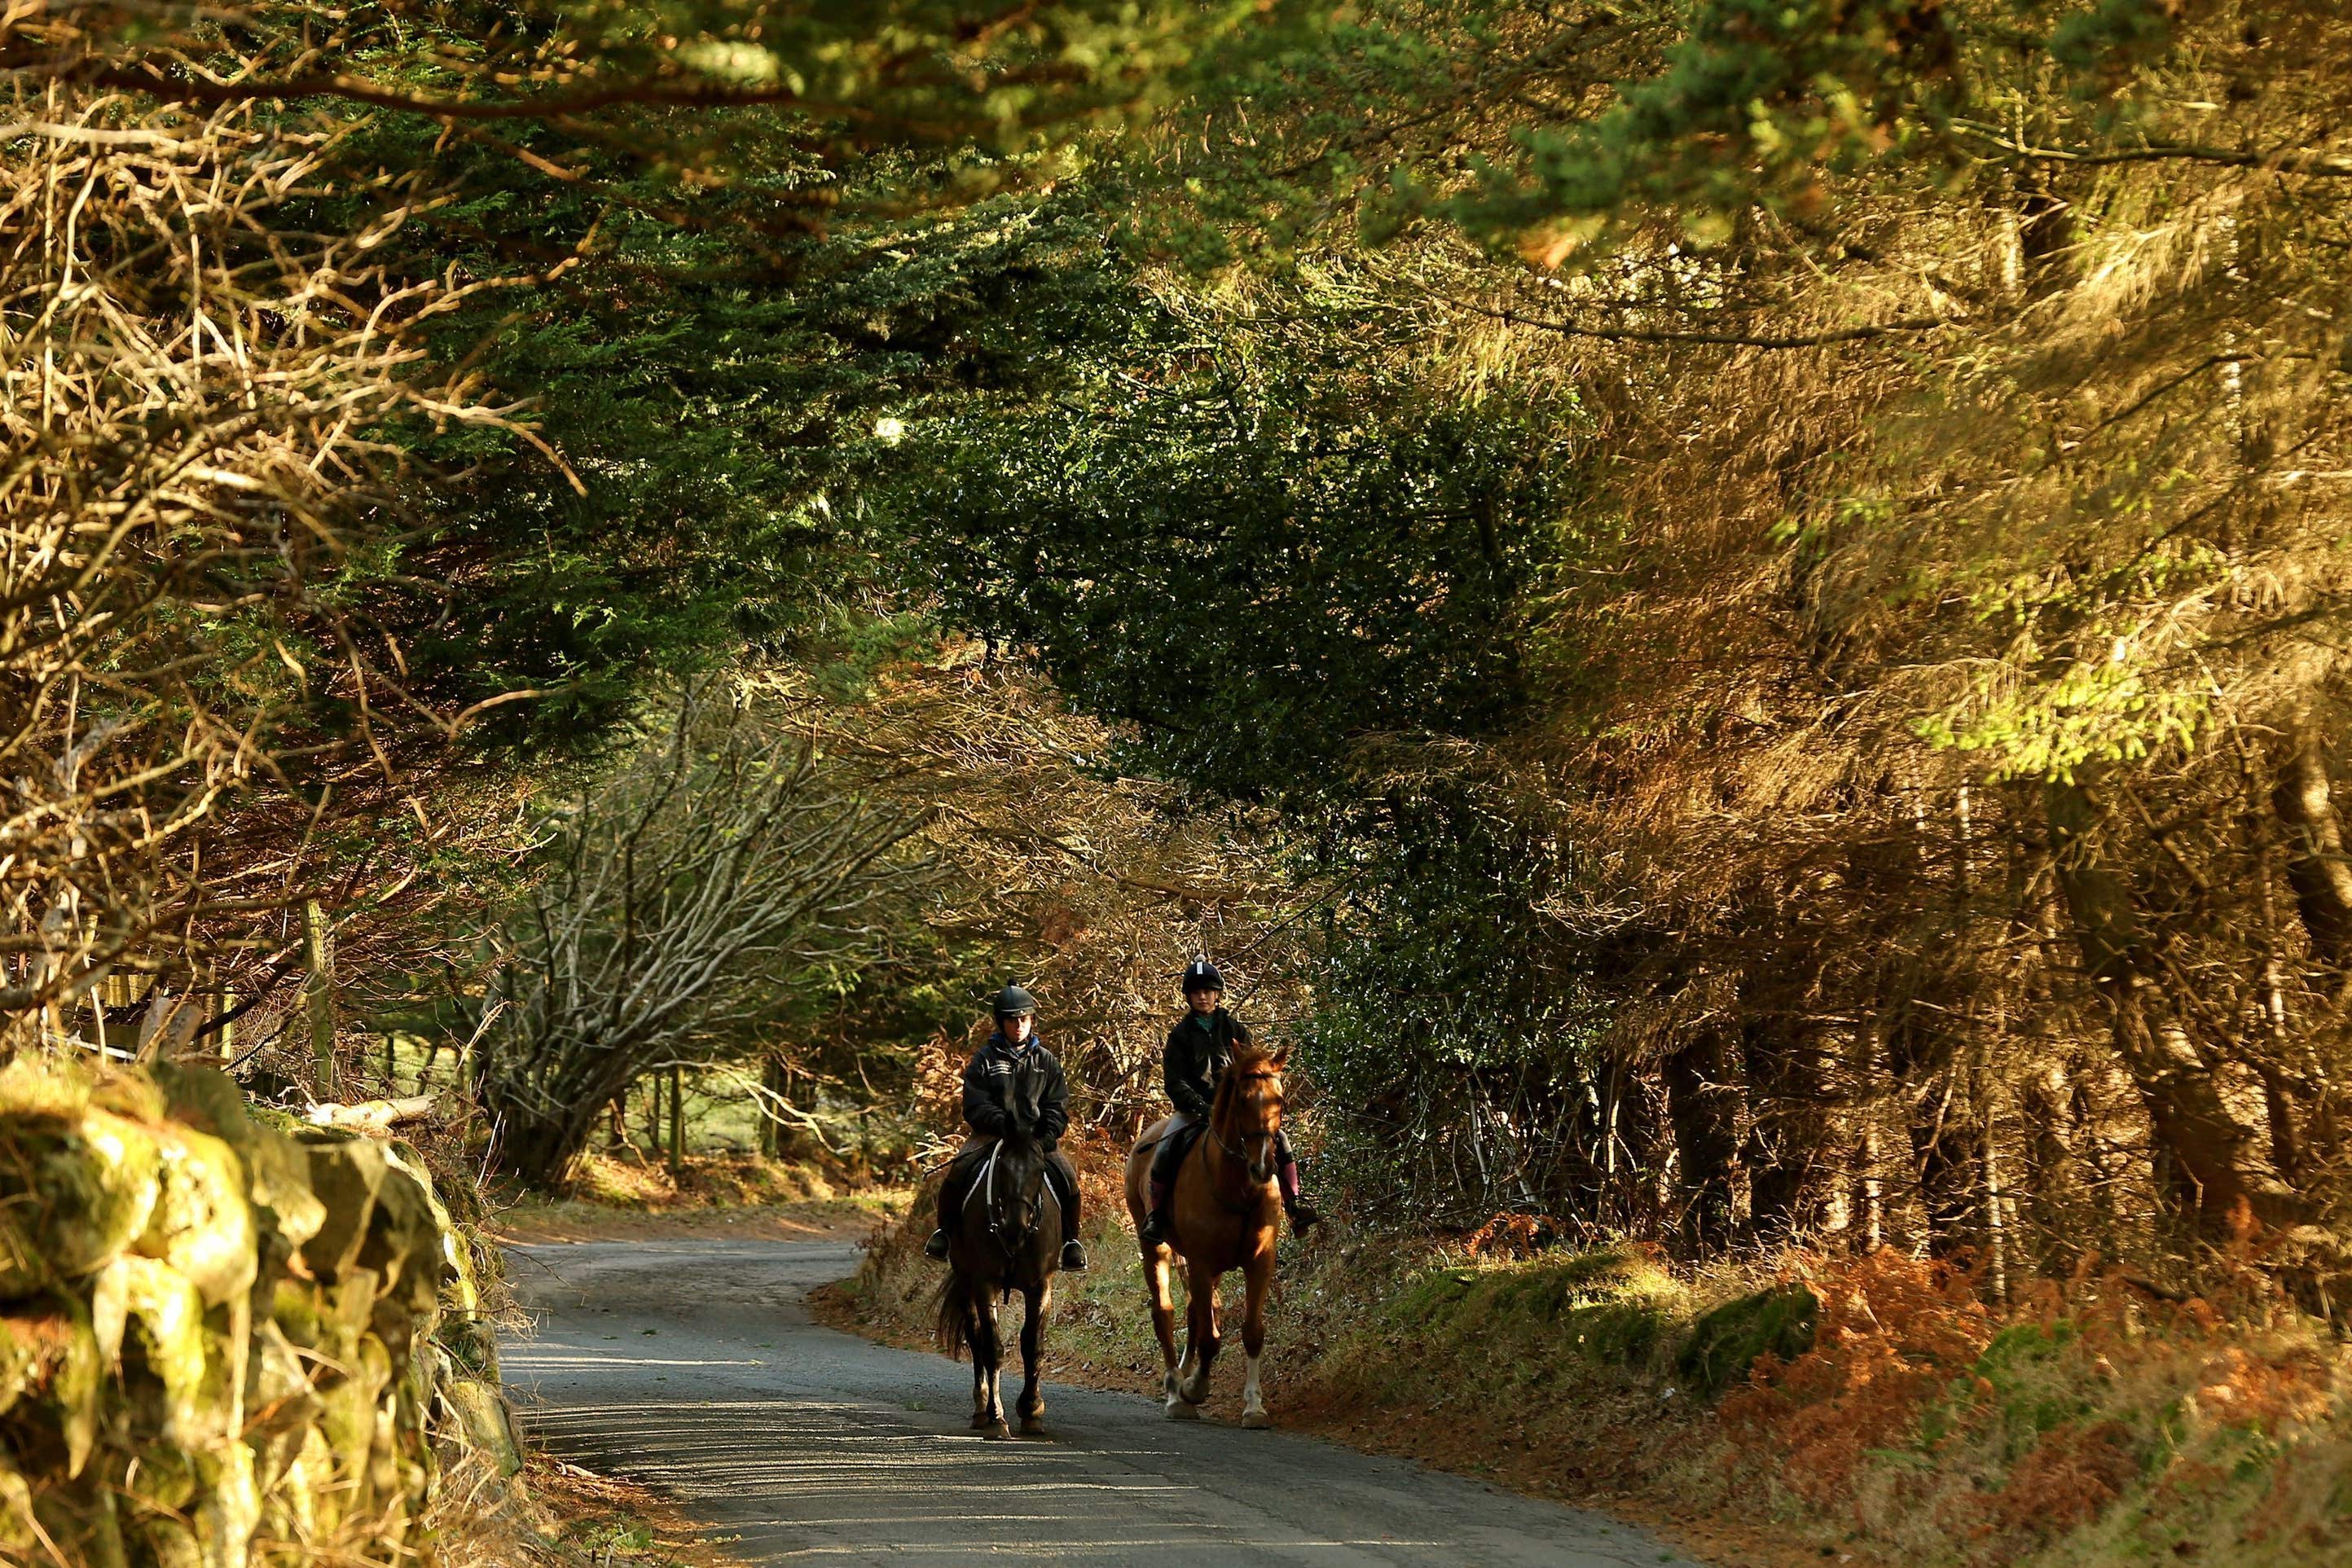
1155,1224
936,1248
1303,1218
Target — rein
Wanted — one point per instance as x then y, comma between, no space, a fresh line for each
1008,1241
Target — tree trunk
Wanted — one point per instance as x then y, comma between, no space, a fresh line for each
1995,1218
2206,1154
2316,866
1787,1136
318,956
536,1146
1636,1150
2048,1186
1703,1108
1949,1161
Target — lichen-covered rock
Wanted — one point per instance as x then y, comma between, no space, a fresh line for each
82,1187
222,1342
202,1223
482,1411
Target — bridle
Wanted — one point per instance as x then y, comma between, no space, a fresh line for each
1031,1208
1239,1155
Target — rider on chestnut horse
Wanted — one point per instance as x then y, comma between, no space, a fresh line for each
1199,1047
1013,1083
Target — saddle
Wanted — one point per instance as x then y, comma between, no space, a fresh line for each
1176,1144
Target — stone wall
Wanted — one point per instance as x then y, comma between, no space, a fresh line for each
226,1339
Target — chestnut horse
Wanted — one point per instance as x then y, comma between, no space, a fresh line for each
1223,1210
1009,1238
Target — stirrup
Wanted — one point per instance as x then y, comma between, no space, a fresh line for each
936,1248
1303,1218
1073,1256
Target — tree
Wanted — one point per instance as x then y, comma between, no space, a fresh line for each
1927,681
1261,550
713,870
472,364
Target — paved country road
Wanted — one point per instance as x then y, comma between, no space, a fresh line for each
691,1366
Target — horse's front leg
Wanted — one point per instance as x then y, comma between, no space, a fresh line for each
1033,1349
975,1340
1257,1280
1199,1332
996,1423
996,1371
1163,1324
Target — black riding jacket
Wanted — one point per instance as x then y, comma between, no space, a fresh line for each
1199,1048
1008,1086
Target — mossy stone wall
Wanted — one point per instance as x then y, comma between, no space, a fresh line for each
226,1339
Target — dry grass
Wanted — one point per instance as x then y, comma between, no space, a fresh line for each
2092,1423
558,1515
624,1199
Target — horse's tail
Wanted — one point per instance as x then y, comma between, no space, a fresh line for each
952,1313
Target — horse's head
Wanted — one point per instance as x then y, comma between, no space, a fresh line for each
1009,1192
1248,1112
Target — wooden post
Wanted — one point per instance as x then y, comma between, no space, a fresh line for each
318,953
228,1031
677,1125
770,1076
653,1114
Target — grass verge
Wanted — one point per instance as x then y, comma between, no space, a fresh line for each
624,1198
1800,1409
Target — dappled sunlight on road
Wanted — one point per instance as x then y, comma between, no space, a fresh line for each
693,1368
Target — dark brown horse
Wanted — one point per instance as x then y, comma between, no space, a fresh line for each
1009,1238
1225,1209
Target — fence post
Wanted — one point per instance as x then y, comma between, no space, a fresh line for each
318,953
677,1125
769,1074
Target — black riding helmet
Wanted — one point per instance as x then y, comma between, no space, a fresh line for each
1202,976
1013,1001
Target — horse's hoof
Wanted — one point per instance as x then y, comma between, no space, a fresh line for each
1004,1434
980,1423
1256,1420
1031,1428
1180,1411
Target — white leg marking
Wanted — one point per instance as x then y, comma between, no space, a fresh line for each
1253,1400
1196,1380
1177,1408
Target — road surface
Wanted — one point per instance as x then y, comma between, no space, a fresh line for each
692,1366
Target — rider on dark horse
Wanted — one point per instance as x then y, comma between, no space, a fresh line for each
1012,1084
1199,1048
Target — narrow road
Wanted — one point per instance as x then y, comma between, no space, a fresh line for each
691,1366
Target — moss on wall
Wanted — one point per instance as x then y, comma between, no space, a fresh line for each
223,1341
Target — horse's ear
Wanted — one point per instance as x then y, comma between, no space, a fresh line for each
1281,1055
